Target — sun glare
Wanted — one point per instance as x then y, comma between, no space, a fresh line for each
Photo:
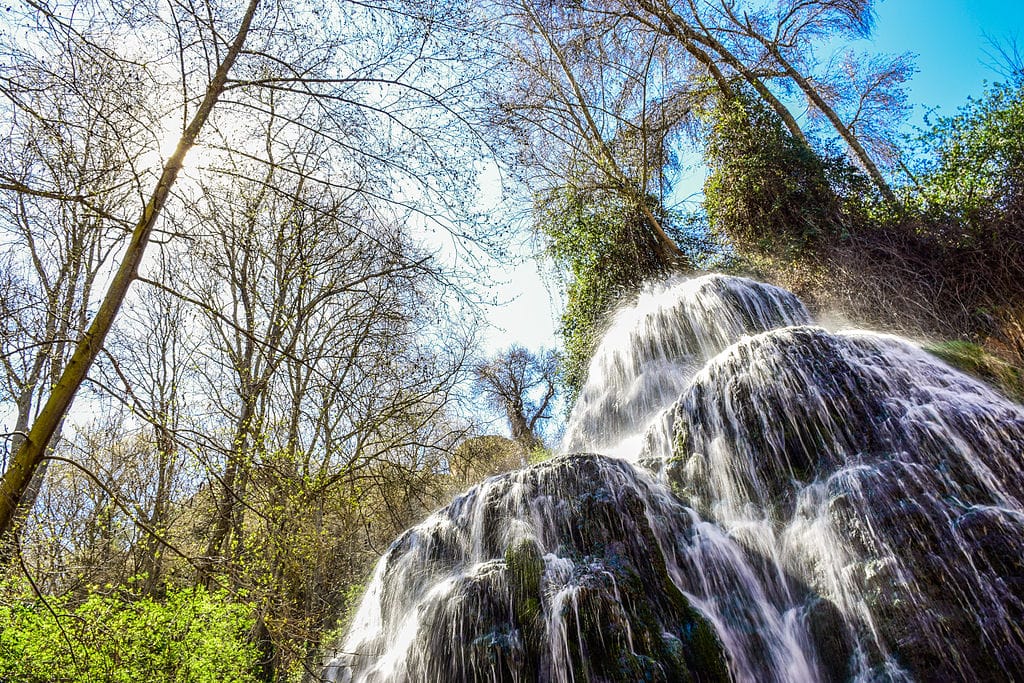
196,159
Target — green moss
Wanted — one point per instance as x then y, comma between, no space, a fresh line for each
525,565
705,653
540,454
675,466
975,360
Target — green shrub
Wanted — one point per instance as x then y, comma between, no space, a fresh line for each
191,636
770,194
972,173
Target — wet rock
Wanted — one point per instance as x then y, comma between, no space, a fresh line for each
896,479
832,639
552,573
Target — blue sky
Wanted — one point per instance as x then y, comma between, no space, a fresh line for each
948,38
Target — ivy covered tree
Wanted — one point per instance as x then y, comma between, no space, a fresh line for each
769,194
606,252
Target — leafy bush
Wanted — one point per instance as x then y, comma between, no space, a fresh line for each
191,636
973,170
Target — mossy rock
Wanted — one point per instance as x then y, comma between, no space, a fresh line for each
626,629
525,565
564,574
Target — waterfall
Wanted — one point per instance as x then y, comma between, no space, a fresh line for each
786,504
651,350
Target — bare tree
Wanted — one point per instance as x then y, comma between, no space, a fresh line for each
279,252
588,110
375,83
63,177
774,43
309,305
148,369
31,450
523,386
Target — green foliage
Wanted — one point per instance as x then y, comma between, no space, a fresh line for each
480,457
770,194
540,454
975,164
524,563
964,221
190,636
975,360
608,251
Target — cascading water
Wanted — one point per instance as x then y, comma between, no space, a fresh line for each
652,349
793,505
889,483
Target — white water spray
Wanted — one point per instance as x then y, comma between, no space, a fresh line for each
653,348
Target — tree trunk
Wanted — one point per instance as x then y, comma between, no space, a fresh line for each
152,548
225,514
520,426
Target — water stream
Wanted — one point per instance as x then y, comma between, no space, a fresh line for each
773,502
